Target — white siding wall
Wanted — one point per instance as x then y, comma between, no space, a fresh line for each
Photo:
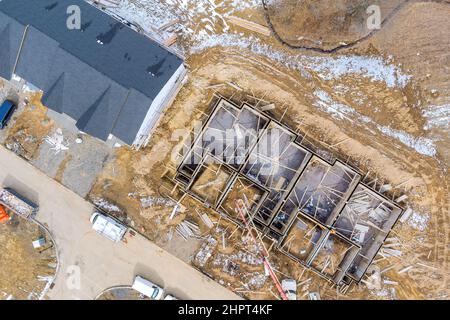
158,105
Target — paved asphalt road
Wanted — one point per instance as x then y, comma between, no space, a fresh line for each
101,263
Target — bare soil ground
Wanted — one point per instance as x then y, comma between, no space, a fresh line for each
324,23
419,39
382,106
390,161
423,238
26,136
22,268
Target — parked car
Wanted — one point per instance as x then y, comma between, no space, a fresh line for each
108,227
148,288
290,288
6,110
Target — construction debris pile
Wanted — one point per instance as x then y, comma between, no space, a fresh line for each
56,141
28,250
187,230
18,204
206,251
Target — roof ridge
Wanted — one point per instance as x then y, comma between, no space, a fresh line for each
87,115
52,93
120,110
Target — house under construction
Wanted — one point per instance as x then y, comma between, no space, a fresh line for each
102,77
320,214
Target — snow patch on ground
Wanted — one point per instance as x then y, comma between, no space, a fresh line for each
341,111
156,201
148,14
199,18
327,68
245,4
30,88
327,104
437,117
418,221
374,68
105,205
421,145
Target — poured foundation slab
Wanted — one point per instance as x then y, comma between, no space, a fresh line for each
366,208
274,156
245,190
230,136
275,163
366,220
330,259
320,192
302,238
211,181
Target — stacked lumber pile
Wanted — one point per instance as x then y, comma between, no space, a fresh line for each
188,230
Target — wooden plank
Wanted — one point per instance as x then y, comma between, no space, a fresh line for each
405,216
207,221
249,25
171,40
168,24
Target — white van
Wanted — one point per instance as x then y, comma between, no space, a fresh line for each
108,227
148,288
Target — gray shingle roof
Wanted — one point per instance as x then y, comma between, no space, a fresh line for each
75,68
125,125
54,96
36,57
10,37
102,111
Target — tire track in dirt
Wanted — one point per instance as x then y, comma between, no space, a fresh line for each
341,46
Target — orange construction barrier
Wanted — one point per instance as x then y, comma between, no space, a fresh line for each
4,217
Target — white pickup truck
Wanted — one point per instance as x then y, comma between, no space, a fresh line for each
148,288
108,227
